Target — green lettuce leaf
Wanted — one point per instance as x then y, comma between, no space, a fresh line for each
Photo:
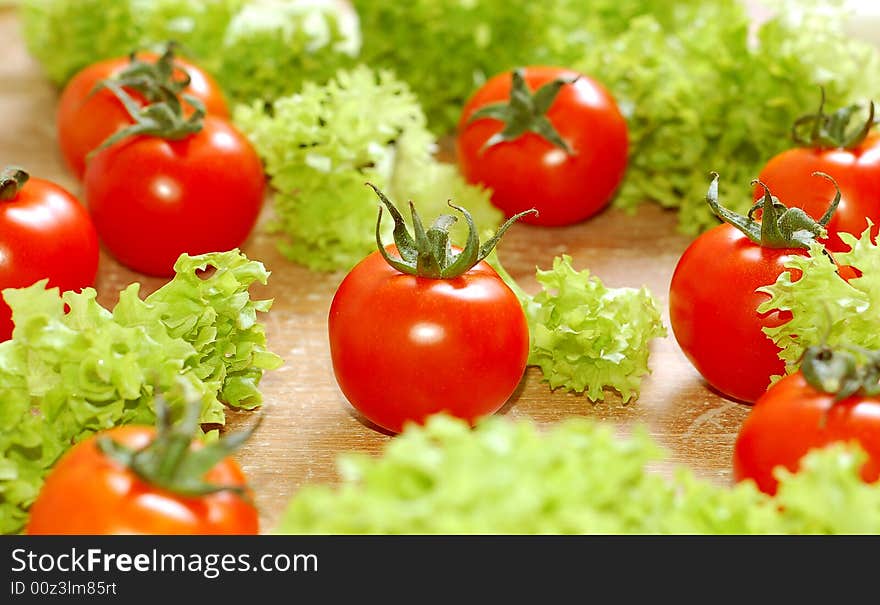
322,145
712,97
272,47
576,478
65,375
823,306
68,35
586,337
255,48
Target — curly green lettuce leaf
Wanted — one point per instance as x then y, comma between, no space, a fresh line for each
272,47
322,145
827,495
68,35
824,307
711,97
587,337
67,374
578,477
257,49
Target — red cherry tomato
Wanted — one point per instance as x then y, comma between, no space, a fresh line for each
44,233
88,493
857,172
85,119
530,171
405,347
153,199
713,310
792,418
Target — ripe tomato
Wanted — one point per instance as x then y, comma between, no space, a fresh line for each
421,327
153,199
89,493
853,159
713,310
713,300
567,179
86,118
405,347
44,233
793,417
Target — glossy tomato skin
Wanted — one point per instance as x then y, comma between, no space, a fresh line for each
44,233
85,120
857,172
530,172
792,418
406,347
712,309
153,199
87,493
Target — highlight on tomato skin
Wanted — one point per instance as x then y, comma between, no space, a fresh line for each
561,149
87,493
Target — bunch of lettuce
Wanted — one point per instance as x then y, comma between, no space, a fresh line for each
700,94
322,145
700,90
577,478
824,307
66,374
255,48
587,337
272,46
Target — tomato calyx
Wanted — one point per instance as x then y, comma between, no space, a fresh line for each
157,80
525,112
780,226
12,179
429,253
169,461
162,119
829,131
842,372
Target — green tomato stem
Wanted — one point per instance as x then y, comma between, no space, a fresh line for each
780,226
829,131
12,179
525,112
170,462
428,252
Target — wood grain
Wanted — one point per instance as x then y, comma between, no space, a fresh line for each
307,421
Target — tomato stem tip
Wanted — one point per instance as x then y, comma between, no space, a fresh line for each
829,131
525,112
428,252
170,462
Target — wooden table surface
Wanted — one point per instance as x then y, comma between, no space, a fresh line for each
307,421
